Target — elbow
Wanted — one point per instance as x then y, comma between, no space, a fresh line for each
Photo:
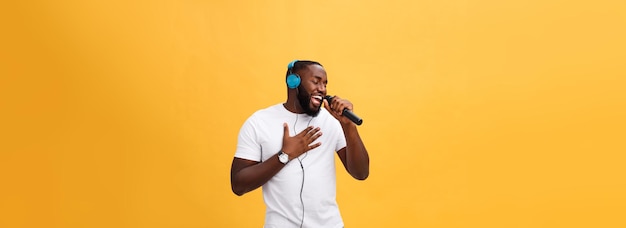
238,191
237,188
360,175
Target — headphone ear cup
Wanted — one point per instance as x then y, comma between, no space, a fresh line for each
293,81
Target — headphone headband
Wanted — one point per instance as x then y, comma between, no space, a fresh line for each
291,64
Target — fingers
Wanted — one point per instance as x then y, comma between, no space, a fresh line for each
307,130
312,139
301,142
310,134
332,112
314,145
285,130
327,105
332,107
337,105
314,134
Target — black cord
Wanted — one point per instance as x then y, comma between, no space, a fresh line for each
301,190
301,166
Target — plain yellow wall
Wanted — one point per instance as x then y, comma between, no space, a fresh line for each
476,113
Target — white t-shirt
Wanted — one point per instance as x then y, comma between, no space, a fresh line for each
311,187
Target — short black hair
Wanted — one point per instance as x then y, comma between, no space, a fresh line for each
299,65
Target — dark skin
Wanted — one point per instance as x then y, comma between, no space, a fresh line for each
247,175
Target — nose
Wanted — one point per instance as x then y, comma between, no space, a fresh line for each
322,88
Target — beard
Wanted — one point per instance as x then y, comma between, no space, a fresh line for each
305,102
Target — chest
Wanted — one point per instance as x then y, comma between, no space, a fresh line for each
270,137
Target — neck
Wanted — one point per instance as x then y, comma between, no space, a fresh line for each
292,104
289,105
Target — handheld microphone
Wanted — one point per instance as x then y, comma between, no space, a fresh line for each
347,113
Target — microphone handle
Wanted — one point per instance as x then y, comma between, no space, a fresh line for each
347,113
357,120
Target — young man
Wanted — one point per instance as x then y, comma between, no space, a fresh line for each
289,149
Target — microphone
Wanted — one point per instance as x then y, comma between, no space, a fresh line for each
347,113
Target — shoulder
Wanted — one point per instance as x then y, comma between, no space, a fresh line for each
268,114
268,111
260,118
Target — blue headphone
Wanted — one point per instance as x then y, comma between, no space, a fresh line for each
293,79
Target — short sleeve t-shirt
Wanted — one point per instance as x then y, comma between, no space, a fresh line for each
304,191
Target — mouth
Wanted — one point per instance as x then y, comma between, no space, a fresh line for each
316,100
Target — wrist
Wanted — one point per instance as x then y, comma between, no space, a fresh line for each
283,157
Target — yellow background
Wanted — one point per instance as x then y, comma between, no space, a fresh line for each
476,113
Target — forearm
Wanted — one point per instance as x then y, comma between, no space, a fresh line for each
246,175
251,177
357,158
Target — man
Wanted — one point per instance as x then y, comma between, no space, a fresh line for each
289,149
